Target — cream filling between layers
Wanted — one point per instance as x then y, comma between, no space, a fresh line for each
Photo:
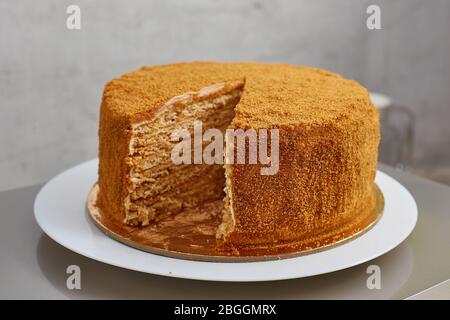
228,220
151,167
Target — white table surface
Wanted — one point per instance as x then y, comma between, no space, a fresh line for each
32,266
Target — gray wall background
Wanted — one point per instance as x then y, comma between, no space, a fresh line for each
51,78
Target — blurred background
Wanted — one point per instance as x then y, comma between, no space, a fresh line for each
52,78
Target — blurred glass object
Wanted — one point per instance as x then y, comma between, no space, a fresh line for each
397,132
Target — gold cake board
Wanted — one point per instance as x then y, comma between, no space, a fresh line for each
191,235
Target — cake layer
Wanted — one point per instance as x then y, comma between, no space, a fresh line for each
190,194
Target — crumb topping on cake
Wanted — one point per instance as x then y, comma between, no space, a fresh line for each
275,93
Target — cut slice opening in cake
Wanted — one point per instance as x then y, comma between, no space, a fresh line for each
159,187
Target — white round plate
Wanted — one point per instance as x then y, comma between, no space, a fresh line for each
60,210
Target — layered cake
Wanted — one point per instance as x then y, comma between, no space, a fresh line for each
321,188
